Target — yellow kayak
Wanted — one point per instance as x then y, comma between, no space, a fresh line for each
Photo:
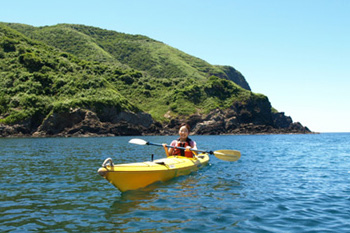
133,176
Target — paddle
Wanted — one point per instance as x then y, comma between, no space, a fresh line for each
226,155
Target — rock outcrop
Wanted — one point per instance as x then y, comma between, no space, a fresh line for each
230,122
239,119
81,122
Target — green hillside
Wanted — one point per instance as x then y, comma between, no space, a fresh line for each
55,68
139,52
37,79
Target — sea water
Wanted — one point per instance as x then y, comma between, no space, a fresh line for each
282,183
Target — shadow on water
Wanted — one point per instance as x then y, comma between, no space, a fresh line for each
160,207
131,200
180,190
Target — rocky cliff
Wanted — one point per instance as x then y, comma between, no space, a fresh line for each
84,123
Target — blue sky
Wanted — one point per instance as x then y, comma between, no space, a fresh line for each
297,52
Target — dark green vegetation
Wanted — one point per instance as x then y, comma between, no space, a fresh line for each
56,68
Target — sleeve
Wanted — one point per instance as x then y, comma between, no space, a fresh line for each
173,143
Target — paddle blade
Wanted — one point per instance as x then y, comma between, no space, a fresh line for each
138,141
227,155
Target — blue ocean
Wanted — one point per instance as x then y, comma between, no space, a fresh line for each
282,183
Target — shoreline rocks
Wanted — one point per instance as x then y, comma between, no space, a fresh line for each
86,123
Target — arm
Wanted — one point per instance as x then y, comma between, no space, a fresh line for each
166,149
171,150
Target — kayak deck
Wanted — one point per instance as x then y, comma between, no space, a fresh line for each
133,176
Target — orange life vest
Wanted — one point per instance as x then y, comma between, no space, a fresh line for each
187,154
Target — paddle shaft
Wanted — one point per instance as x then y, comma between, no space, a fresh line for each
226,155
181,148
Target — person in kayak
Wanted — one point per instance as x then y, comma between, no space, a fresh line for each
182,141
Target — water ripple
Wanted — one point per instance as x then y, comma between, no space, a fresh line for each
282,183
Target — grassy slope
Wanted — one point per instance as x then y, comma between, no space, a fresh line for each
139,52
37,79
169,81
